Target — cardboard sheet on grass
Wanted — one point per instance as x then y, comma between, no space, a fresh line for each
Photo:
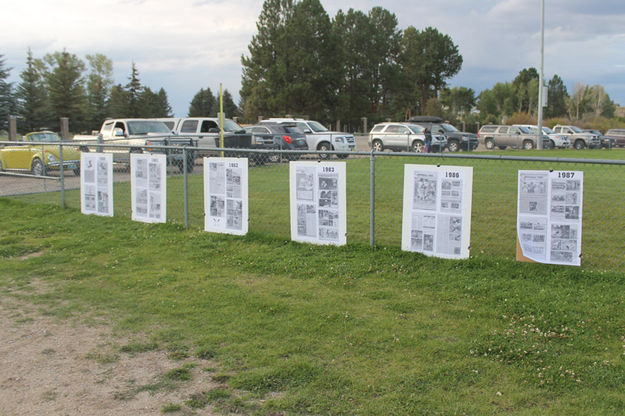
96,183
549,216
437,210
226,195
318,202
148,179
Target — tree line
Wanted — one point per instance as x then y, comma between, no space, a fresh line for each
62,85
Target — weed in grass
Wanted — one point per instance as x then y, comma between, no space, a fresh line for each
171,408
200,400
179,374
139,347
205,353
103,357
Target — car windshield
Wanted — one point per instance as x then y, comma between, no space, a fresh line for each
576,129
449,127
525,130
316,126
231,127
293,129
44,137
147,126
547,130
415,128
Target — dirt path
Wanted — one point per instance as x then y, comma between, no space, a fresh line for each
53,367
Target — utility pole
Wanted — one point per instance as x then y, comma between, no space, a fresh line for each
539,139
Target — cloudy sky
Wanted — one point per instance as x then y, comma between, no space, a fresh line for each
186,45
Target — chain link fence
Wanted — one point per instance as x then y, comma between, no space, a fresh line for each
374,192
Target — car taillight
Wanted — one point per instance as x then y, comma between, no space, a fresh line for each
149,149
287,139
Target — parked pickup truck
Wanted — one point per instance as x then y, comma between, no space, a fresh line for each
206,131
135,135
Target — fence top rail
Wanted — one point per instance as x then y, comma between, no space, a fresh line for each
449,156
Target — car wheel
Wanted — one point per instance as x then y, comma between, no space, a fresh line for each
417,146
342,156
453,146
36,168
324,147
552,144
502,147
1,167
528,145
579,144
489,144
377,146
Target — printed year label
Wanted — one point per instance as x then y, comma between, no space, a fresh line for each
452,174
328,169
566,175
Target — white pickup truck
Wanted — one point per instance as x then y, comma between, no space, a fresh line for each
134,135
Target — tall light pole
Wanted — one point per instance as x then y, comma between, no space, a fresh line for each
539,139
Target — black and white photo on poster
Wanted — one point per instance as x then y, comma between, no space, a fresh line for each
328,182
154,172
425,190
532,235
330,234
103,173
89,195
533,193
449,234
306,220
305,183
328,218
234,214
155,208
217,206
216,178
103,201
141,202
451,195
141,172
233,183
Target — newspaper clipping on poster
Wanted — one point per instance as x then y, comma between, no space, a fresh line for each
437,210
148,175
318,203
549,218
96,183
226,195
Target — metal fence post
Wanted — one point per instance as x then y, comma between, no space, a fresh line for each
372,200
62,175
186,188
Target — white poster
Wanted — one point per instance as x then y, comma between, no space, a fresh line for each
148,178
226,195
318,202
549,216
96,183
437,210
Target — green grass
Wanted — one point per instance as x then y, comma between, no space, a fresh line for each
493,214
301,329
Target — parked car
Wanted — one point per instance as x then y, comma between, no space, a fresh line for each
456,139
318,137
607,142
206,131
557,140
282,136
399,136
618,135
41,153
578,138
493,135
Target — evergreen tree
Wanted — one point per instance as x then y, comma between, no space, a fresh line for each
133,93
117,105
7,100
65,86
163,109
32,96
230,108
99,84
203,104
428,58
557,97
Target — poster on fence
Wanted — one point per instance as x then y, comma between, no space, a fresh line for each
148,179
318,202
226,195
96,183
437,210
549,216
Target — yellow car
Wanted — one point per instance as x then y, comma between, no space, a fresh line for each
39,155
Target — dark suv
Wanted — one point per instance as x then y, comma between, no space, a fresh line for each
284,136
456,139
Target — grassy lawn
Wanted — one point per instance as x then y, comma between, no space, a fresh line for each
494,201
301,329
